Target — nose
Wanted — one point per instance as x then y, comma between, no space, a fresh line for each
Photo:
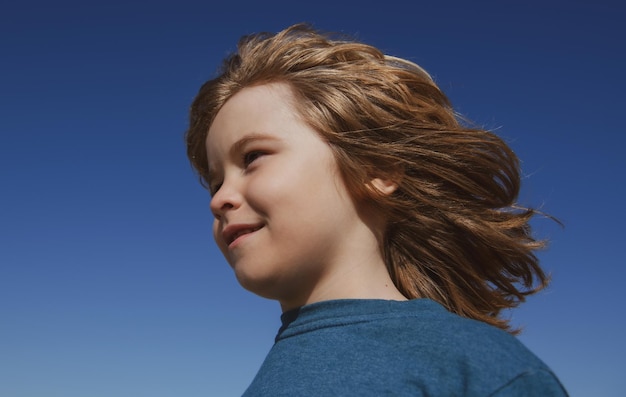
226,198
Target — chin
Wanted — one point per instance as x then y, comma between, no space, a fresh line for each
269,286
256,282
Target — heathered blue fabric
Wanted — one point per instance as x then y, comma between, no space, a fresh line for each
390,348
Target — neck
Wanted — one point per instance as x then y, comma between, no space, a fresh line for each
356,271
360,281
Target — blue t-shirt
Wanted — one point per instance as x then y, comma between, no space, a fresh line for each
359,347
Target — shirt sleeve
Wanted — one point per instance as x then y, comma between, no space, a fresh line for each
533,383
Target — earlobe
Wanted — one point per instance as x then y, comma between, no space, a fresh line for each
384,186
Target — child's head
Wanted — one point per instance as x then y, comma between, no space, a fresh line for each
284,219
452,230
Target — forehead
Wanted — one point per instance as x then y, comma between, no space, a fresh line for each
255,107
257,110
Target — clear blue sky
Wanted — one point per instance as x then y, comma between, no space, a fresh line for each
110,284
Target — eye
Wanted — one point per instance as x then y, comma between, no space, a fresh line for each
214,187
251,156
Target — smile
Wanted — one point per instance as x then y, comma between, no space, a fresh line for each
232,233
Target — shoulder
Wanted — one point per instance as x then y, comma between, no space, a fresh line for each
539,382
430,328
476,357
414,348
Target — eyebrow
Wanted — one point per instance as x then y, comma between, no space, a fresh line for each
240,144
243,141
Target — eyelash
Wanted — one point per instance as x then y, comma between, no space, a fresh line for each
247,158
214,188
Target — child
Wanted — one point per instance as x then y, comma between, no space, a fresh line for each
345,187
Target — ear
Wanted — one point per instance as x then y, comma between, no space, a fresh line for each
384,186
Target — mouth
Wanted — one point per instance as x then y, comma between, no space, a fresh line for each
232,233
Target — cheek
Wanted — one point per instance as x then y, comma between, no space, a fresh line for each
217,236
272,189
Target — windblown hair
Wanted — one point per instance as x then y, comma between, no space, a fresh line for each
454,232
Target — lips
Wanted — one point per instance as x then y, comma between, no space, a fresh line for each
233,232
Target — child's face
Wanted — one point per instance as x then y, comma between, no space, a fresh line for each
283,218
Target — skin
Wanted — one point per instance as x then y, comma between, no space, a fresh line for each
283,217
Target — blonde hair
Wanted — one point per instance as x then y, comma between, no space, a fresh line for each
454,232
